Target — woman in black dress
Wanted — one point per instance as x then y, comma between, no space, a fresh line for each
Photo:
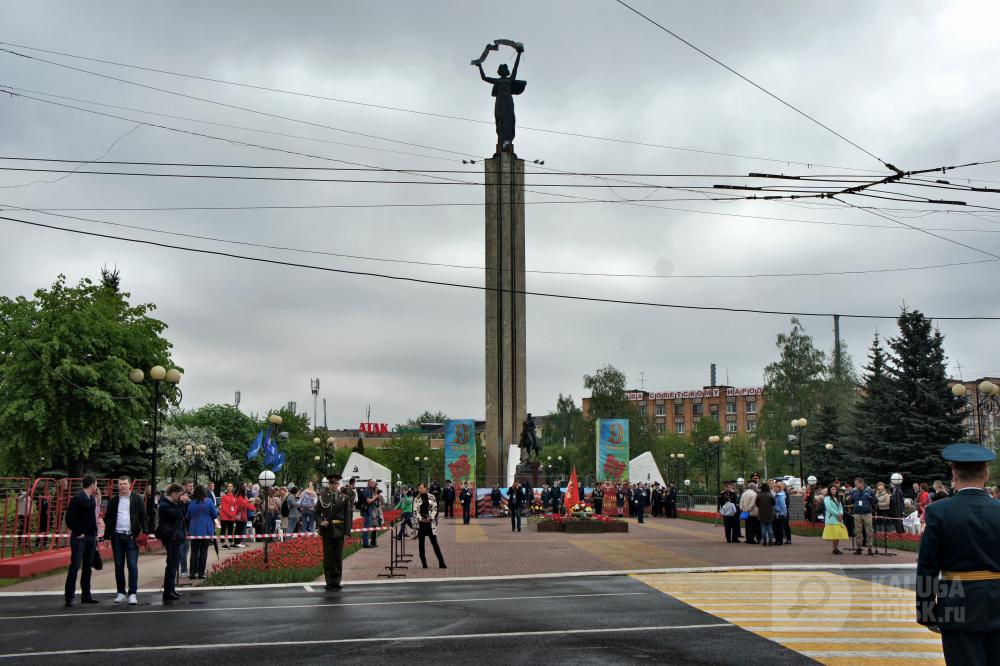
504,89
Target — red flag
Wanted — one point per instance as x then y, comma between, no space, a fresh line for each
572,496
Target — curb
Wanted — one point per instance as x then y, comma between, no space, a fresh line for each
468,579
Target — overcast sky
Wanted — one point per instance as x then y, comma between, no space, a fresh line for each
914,83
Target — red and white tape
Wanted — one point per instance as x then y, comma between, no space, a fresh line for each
221,537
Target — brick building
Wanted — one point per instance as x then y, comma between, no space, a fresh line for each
735,409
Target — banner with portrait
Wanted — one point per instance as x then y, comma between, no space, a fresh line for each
612,450
460,452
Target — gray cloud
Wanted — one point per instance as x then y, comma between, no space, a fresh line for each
899,83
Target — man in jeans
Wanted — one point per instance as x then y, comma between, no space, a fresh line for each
124,521
864,503
81,520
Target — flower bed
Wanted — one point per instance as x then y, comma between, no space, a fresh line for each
295,561
298,560
910,542
580,523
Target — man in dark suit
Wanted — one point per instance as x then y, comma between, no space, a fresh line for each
640,500
171,532
466,499
334,514
672,503
448,496
515,496
124,521
958,567
81,519
555,498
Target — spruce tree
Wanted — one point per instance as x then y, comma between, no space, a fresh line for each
824,464
926,415
867,452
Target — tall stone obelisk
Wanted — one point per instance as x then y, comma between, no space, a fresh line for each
505,323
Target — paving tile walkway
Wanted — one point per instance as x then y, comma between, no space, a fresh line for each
487,547
828,617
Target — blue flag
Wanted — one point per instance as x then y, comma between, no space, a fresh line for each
255,447
270,450
279,461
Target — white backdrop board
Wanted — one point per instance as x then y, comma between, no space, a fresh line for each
643,469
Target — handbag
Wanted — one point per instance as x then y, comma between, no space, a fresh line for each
744,515
98,563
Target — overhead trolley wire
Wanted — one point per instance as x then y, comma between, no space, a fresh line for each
424,113
401,278
482,268
755,84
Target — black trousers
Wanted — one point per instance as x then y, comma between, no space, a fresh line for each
640,511
424,531
449,509
515,518
81,562
753,529
731,525
598,506
199,557
466,513
333,559
173,562
971,648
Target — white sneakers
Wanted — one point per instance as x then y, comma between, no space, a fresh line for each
132,601
120,598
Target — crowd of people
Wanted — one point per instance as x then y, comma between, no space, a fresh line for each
854,511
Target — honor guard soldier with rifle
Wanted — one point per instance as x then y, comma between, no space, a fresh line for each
958,567
335,511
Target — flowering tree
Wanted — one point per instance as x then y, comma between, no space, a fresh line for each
218,463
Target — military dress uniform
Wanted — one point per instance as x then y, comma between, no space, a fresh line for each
958,569
336,509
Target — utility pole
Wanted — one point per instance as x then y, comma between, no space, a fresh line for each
836,346
236,399
325,426
314,387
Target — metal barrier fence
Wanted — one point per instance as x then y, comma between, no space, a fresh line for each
37,506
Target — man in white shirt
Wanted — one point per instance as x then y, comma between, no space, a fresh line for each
124,521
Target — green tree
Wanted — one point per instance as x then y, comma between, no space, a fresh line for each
704,454
927,415
178,463
825,429
873,418
234,429
566,423
424,417
608,401
793,386
65,396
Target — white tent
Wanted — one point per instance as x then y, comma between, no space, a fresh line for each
365,468
643,469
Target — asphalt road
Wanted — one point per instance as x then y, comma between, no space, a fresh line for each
581,620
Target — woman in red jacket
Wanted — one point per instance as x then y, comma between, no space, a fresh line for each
227,515
242,506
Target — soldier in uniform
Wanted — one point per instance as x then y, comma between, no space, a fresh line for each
958,568
334,514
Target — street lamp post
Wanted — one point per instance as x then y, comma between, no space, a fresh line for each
266,481
158,374
197,453
717,441
680,459
829,453
671,462
985,401
422,467
799,425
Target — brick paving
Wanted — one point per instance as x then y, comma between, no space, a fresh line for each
487,547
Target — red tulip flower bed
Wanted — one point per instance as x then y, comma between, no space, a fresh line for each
909,542
297,560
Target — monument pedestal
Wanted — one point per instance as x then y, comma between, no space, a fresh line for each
530,471
505,311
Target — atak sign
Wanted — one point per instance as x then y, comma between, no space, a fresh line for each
374,428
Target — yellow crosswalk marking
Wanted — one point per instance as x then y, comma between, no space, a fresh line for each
828,617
